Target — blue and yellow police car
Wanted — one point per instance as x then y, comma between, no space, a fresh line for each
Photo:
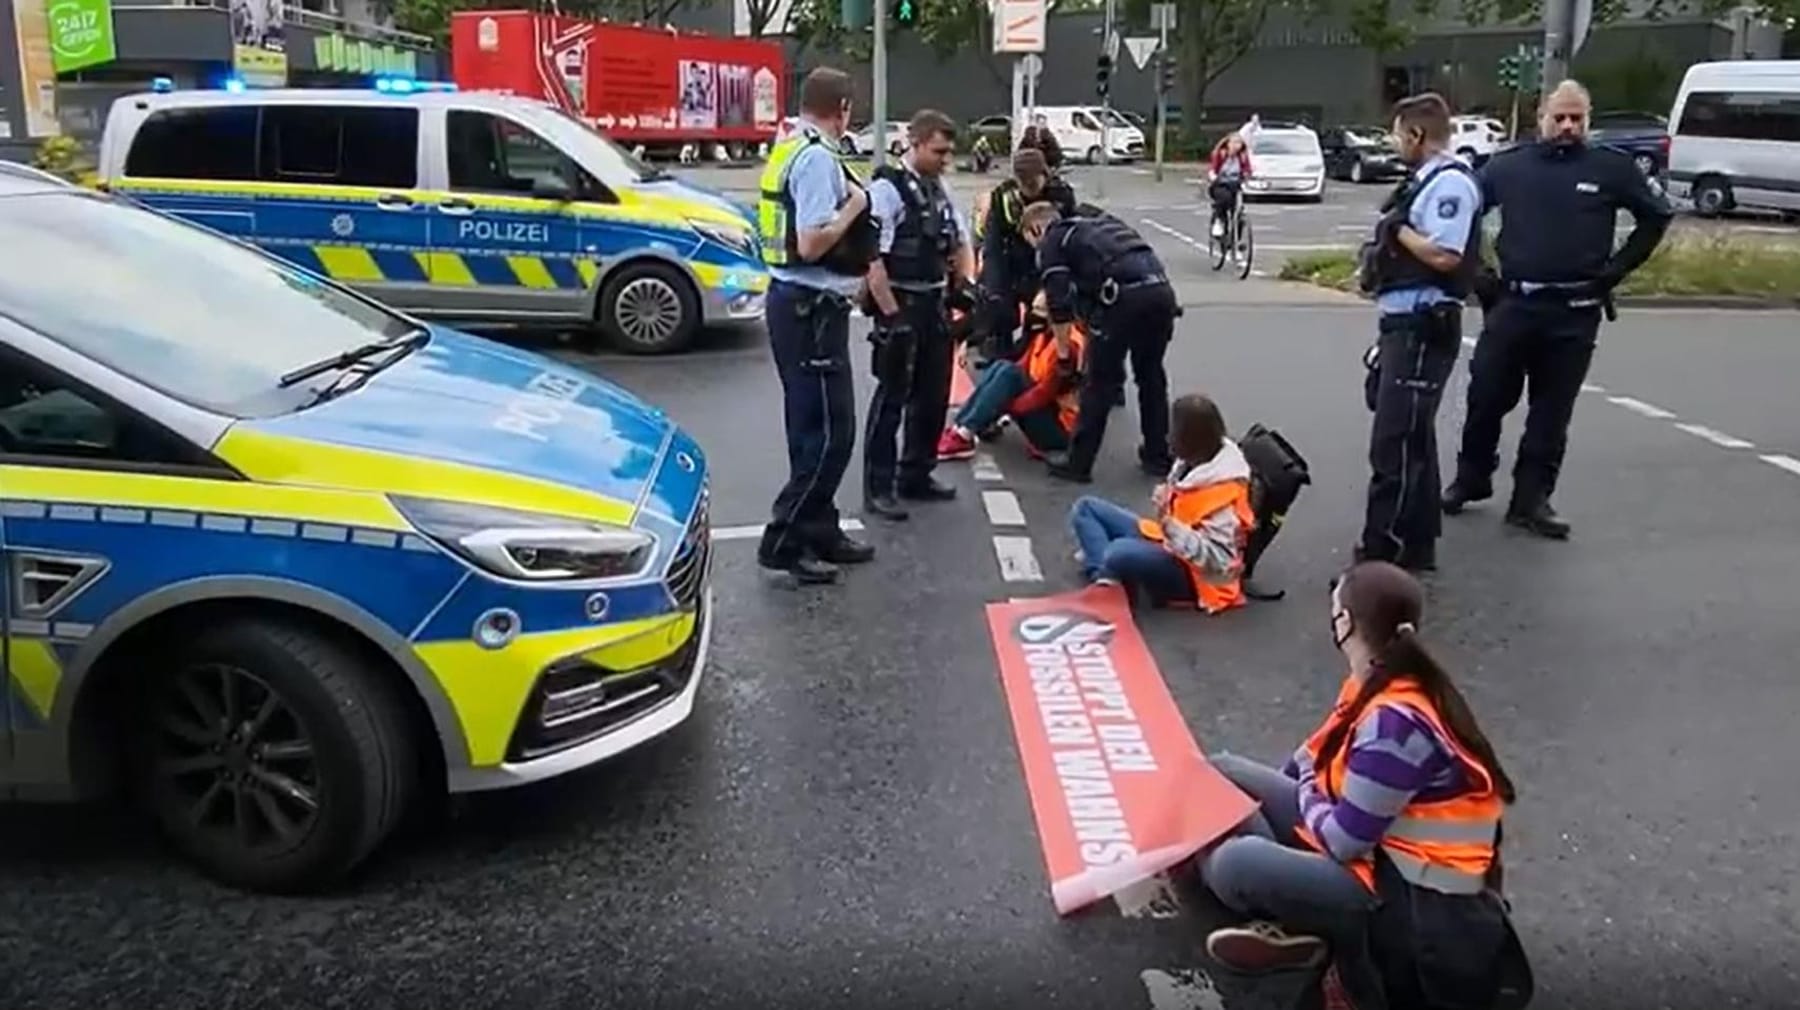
281,561
471,207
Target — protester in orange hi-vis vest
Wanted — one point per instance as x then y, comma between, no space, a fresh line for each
1192,552
1040,392
1377,847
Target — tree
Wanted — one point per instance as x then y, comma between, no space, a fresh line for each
432,17
1210,37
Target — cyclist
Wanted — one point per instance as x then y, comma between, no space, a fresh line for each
1229,168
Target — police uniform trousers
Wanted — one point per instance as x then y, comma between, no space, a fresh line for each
1417,352
1135,328
1535,342
912,397
809,334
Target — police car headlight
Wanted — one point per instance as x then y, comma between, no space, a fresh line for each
531,546
724,234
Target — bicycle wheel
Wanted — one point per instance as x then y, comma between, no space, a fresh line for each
1242,249
1215,245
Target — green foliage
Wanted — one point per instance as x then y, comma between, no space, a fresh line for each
1210,36
432,17
62,156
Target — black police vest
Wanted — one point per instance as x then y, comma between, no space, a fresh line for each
1104,247
923,238
858,247
1021,258
1401,269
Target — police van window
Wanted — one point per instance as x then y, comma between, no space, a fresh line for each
1085,122
1742,115
45,417
204,319
341,145
216,143
489,154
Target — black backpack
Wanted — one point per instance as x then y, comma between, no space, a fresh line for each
1277,473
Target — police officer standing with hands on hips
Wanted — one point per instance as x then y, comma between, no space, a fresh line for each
1420,266
1009,277
1101,270
818,240
1559,201
921,237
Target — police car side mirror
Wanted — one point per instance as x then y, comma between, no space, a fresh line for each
549,187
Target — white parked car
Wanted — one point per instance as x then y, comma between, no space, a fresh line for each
847,144
1286,160
864,139
1475,138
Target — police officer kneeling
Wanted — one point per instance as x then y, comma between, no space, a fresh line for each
1420,267
818,239
920,235
1559,203
1100,269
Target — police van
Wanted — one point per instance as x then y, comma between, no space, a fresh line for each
1735,137
281,562
481,208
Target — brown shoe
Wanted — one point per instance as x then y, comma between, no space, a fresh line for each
1258,948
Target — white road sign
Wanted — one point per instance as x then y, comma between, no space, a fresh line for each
1141,47
1162,17
1019,26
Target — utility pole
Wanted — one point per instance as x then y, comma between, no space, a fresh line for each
1559,30
1108,47
879,70
1164,16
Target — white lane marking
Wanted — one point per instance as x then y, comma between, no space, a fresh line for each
1017,562
1352,227
752,532
1003,508
1317,247
1649,410
1589,387
1183,989
1468,341
1149,899
1788,463
1716,437
1180,236
986,469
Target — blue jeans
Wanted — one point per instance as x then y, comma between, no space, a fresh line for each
1000,383
1113,547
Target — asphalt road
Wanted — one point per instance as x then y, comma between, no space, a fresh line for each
844,823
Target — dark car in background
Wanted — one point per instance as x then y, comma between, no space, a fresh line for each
1360,154
1642,135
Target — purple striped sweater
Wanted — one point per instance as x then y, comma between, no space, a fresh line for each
1395,756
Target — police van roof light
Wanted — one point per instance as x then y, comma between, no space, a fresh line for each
235,85
162,85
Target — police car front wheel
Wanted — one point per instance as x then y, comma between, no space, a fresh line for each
649,308
273,755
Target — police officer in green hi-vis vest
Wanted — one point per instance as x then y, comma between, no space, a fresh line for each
818,240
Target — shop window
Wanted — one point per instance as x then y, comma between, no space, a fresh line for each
341,146
215,143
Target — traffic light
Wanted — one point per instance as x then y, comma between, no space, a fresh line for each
1531,73
1166,77
1509,73
906,12
1103,77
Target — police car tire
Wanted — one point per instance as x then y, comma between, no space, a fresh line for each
356,724
686,328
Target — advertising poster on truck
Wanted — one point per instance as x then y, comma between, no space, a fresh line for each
635,84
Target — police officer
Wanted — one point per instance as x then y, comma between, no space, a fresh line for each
1009,278
1420,266
1101,270
817,239
1559,201
921,237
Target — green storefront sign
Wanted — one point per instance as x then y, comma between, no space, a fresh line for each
81,33
355,56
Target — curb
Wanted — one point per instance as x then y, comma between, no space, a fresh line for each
1752,303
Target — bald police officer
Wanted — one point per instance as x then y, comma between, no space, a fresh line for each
1559,201
1420,266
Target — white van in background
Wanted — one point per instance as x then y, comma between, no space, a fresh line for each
1735,137
1077,131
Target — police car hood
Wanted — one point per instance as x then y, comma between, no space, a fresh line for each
464,400
678,196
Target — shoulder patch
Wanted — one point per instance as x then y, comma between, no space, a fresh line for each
1447,206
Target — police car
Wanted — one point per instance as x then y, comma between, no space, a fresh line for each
480,208
281,561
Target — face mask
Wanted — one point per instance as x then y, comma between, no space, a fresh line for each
1338,640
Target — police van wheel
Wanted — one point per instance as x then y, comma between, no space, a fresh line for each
649,308
272,755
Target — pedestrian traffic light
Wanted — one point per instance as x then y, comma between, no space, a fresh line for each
1509,73
906,12
1103,77
1166,78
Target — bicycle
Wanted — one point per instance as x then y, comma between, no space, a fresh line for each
1236,243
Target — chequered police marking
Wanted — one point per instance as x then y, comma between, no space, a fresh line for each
214,522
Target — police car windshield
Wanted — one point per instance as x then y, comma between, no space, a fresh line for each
201,318
609,162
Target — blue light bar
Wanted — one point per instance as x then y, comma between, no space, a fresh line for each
162,85
235,85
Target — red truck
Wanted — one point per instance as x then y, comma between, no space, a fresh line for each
656,87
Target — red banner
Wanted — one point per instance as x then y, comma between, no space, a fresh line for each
1120,790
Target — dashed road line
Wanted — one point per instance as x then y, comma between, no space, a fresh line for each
752,532
986,469
1716,437
1184,989
1649,410
1017,562
1788,463
1179,236
1589,387
1003,508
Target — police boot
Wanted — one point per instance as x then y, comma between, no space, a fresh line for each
886,506
1463,492
846,550
1540,519
928,489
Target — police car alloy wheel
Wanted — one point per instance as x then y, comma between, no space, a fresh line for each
649,308
274,755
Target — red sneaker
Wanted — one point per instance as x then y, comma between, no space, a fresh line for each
953,444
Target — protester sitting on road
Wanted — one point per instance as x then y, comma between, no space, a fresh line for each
1040,393
1230,166
1381,831
1192,553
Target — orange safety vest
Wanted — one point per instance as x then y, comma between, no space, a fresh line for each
1041,365
1191,506
1445,845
